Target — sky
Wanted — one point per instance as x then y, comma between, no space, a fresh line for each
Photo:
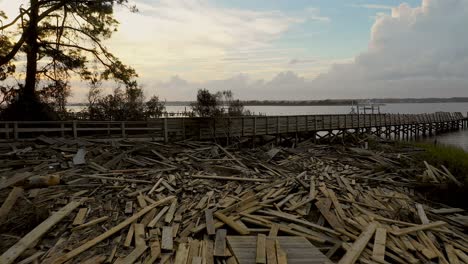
293,49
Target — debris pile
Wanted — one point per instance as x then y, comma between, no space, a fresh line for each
84,201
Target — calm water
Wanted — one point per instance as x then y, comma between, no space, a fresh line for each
456,138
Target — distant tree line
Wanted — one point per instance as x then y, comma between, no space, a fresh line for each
217,104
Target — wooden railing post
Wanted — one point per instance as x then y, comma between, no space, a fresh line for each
122,128
15,130
255,126
62,129
266,126
75,132
7,130
277,125
183,128
166,137
307,123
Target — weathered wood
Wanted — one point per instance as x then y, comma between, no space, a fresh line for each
80,217
281,256
271,251
220,243
75,252
229,178
19,177
261,250
412,229
166,238
353,253
210,228
378,253
231,223
15,251
9,202
133,256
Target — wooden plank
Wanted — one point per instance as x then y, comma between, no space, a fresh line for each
91,223
133,256
452,256
412,229
220,243
75,252
210,228
166,238
155,252
9,202
24,243
80,216
170,213
353,253
281,256
229,178
378,253
19,177
271,251
182,254
158,217
129,237
231,223
140,235
261,250
274,230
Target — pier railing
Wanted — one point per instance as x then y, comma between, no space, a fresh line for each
205,128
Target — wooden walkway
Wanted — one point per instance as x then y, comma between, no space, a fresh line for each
298,250
170,129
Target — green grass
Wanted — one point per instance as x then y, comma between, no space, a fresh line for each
454,158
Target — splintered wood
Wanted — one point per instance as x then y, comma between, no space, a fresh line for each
198,202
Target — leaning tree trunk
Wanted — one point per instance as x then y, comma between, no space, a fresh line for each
32,49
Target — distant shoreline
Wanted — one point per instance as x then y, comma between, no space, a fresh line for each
327,102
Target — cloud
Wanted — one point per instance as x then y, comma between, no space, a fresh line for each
413,52
196,38
418,51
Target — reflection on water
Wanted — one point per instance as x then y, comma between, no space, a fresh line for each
459,138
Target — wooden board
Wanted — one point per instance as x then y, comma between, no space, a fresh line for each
298,250
15,251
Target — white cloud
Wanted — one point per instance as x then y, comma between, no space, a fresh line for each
420,51
197,39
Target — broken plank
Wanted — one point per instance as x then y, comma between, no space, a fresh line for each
378,252
182,254
9,202
15,251
75,252
167,239
261,250
353,253
412,229
231,223
281,256
18,177
80,217
91,223
140,235
271,251
229,178
210,228
133,256
220,243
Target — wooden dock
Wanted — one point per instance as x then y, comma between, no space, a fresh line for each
398,126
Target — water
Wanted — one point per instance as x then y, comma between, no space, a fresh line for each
455,138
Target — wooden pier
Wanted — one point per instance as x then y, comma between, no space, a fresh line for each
397,126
